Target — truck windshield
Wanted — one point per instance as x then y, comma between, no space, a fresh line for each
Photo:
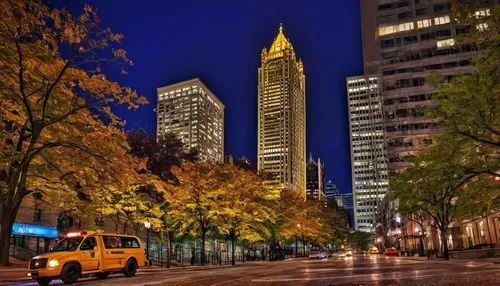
67,244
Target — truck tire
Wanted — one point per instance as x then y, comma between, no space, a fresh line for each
70,273
130,268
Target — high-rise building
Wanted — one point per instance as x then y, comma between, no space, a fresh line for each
191,111
404,41
282,116
331,189
369,169
315,183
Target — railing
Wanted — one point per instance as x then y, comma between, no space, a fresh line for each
21,253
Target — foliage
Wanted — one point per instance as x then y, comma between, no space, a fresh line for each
161,154
359,239
58,134
439,186
469,104
240,204
193,201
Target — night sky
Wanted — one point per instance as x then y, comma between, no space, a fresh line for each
220,42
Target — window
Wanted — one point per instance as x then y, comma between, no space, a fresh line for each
445,43
482,27
404,15
88,244
390,29
130,242
424,23
112,241
421,11
441,20
37,218
482,13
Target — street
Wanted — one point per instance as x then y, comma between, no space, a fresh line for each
356,270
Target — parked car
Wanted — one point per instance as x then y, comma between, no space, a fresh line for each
391,252
318,255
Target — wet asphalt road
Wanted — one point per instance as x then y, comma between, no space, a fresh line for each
357,270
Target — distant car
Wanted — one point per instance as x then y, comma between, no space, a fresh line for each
319,255
374,250
391,252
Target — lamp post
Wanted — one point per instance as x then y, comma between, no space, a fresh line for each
147,225
379,240
421,250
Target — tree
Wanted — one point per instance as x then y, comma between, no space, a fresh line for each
58,134
193,200
240,204
437,185
161,154
469,104
359,239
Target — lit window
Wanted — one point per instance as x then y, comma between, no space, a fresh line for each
424,23
445,43
482,27
386,30
482,13
441,20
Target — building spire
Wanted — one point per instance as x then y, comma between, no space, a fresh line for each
280,42
310,156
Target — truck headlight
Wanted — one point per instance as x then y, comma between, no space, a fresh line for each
53,263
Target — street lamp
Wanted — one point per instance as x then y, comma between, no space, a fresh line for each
296,245
147,225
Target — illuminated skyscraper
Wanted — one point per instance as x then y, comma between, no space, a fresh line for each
368,151
282,116
191,111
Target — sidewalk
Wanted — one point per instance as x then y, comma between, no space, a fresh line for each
15,272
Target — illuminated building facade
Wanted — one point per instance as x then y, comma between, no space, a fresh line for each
404,41
282,116
191,111
369,168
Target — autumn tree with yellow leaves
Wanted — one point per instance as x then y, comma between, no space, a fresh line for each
58,134
240,204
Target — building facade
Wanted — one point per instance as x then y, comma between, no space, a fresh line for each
369,169
404,41
315,183
191,111
282,116
332,193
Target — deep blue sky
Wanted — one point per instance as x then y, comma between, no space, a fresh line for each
220,42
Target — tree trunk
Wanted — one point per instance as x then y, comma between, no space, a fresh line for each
125,226
15,195
8,217
203,234
117,223
488,227
169,249
233,262
444,242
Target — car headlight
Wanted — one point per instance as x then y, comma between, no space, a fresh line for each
53,263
